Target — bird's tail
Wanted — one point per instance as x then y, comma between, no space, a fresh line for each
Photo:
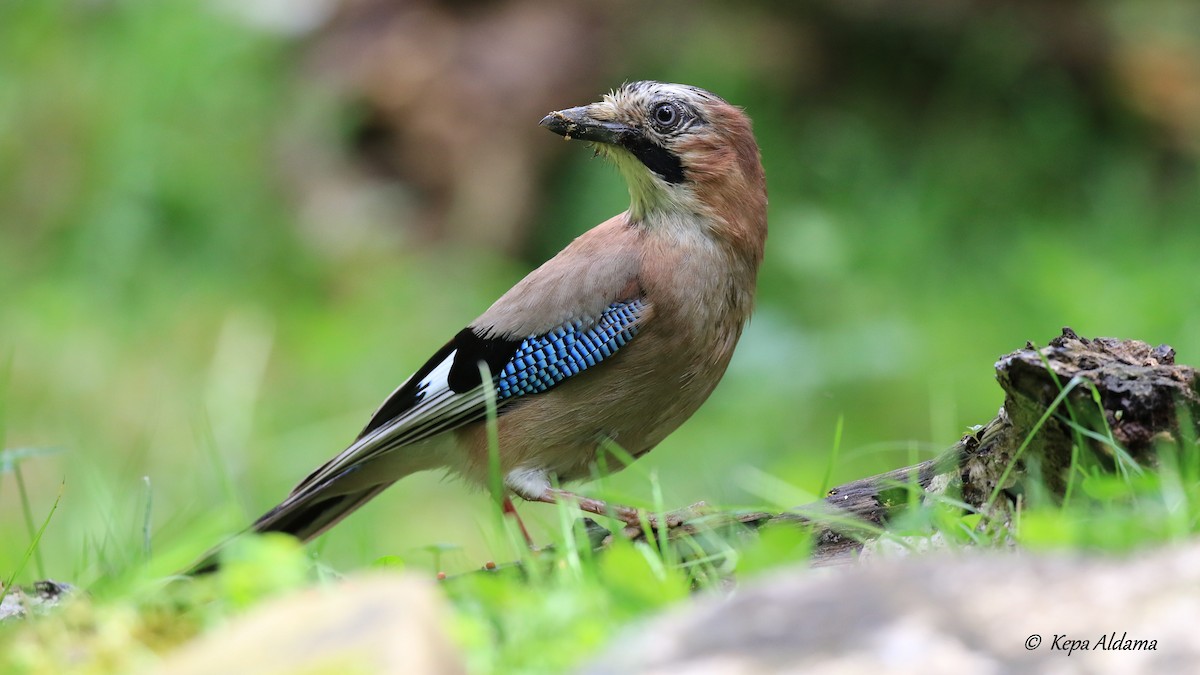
305,514
330,493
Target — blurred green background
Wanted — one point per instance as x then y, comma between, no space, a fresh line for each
229,230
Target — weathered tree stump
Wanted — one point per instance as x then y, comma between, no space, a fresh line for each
1140,392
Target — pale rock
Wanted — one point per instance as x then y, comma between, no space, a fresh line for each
370,624
943,613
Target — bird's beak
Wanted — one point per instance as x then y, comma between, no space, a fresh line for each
584,124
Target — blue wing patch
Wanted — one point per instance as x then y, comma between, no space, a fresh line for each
542,361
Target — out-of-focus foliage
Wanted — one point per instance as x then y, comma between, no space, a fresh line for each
211,268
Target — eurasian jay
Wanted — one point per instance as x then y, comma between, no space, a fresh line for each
618,338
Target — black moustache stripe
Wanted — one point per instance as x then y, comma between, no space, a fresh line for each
656,158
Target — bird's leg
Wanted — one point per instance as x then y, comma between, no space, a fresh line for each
626,514
510,510
534,485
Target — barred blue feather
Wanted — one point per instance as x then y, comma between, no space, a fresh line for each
542,361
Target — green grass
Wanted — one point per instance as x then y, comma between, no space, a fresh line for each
549,611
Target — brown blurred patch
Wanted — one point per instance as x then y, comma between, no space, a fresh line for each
450,97
1162,81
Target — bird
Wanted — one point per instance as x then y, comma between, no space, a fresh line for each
619,338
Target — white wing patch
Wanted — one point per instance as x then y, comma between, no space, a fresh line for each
438,409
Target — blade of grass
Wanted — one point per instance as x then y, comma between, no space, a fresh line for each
702,564
1062,396
10,459
827,479
206,438
33,545
621,454
1125,462
601,473
146,518
5,378
1172,491
27,511
495,479
915,492
772,489
569,552
1078,444
1188,446
496,486
670,556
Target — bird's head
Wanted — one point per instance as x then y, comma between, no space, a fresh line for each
680,148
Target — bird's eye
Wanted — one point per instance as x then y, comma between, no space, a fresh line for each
666,116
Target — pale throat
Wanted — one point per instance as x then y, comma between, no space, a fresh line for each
650,197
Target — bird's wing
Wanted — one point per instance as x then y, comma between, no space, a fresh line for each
449,392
